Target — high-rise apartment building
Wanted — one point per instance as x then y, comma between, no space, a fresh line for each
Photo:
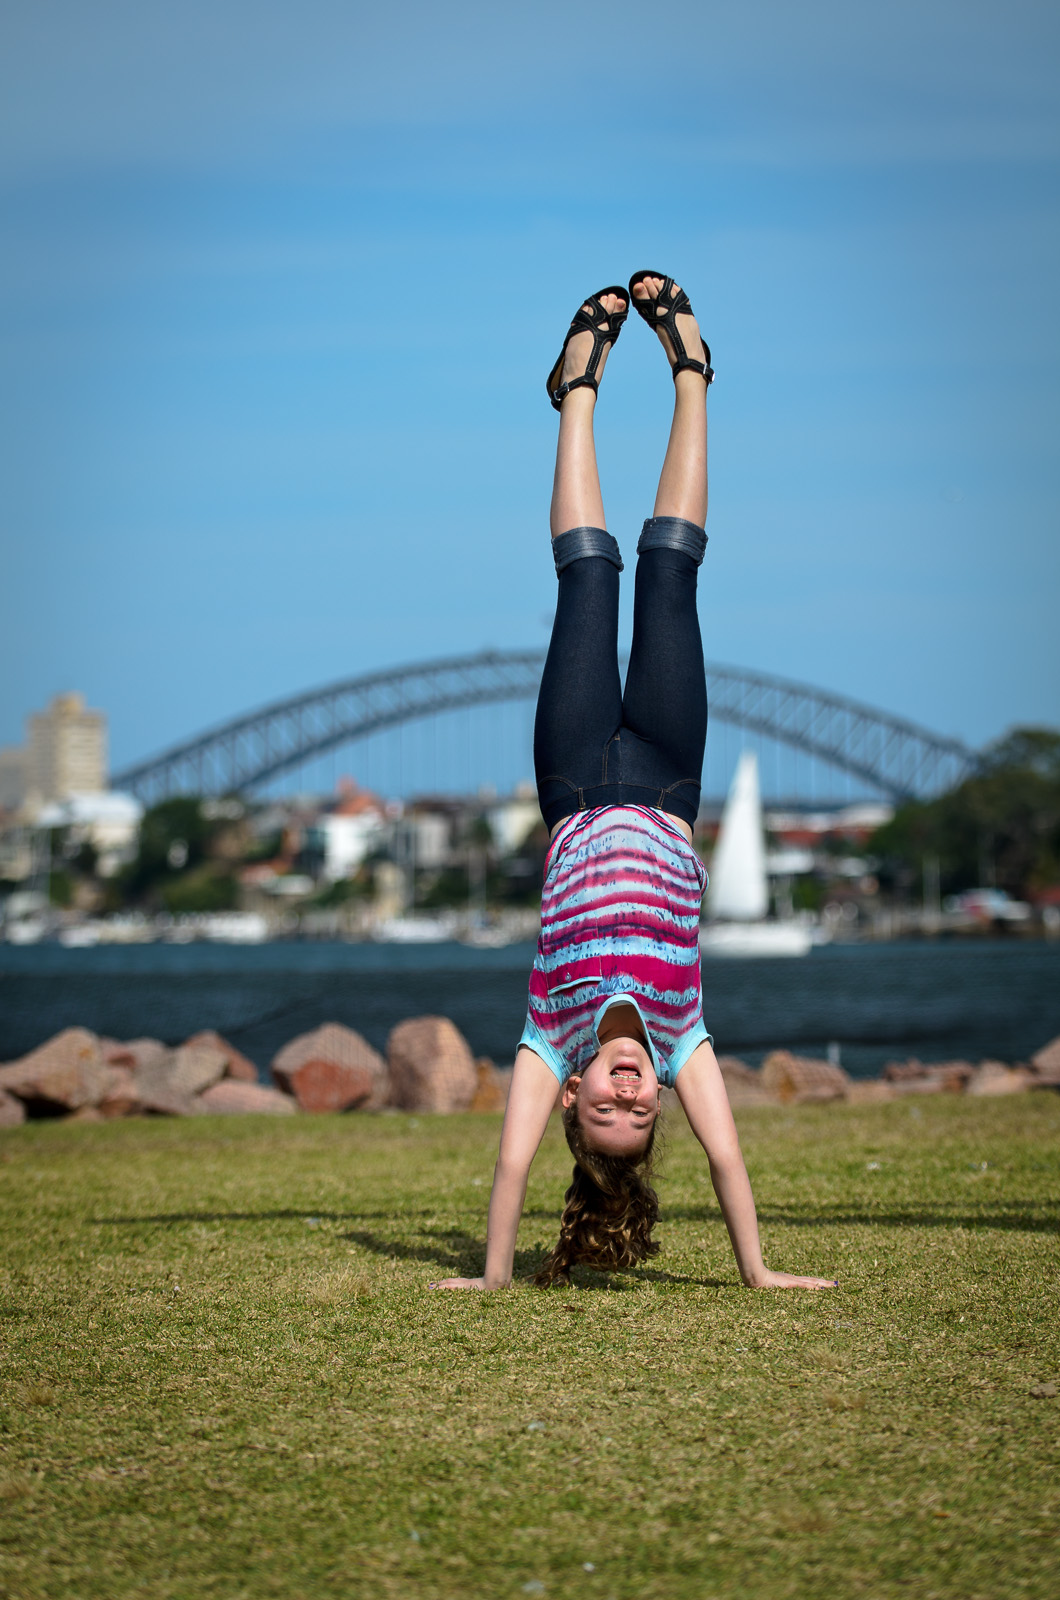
67,751
12,777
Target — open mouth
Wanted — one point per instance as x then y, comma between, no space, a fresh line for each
624,1072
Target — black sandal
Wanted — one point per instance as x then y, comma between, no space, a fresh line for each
585,322
663,313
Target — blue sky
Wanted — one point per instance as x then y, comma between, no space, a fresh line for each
281,285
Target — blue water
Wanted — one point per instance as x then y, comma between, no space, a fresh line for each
878,1002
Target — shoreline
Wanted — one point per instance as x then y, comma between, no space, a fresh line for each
428,1067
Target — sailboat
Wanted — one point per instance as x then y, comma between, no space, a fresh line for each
738,896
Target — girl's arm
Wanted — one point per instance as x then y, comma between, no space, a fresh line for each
530,1102
701,1091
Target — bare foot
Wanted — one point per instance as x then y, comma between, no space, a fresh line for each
581,346
687,327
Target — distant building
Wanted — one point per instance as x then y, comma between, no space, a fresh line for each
109,822
67,751
12,777
512,821
806,829
350,830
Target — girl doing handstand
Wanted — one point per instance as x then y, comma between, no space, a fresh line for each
615,1005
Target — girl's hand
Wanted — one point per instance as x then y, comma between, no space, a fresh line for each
788,1280
459,1283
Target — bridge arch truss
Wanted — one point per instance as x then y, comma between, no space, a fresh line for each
895,757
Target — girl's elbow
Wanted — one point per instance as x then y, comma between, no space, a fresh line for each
726,1159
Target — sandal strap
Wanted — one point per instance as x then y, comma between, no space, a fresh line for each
587,322
672,305
667,301
558,396
686,364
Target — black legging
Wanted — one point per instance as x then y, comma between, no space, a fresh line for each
594,745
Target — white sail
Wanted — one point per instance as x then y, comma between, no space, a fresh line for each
738,889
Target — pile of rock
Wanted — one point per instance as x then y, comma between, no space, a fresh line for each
428,1067
787,1079
80,1075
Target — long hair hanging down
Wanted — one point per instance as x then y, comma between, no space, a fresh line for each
608,1212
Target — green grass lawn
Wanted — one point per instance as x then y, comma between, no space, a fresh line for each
223,1373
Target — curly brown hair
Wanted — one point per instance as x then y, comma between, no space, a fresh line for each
608,1212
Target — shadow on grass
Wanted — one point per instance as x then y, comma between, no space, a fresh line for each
172,1218
1014,1216
455,1254
462,1256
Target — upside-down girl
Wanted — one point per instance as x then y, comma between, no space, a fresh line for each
615,1005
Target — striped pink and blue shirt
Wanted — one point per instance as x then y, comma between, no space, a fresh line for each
619,922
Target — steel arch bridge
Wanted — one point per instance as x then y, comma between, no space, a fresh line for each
897,758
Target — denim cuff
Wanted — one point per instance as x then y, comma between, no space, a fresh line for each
673,533
577,543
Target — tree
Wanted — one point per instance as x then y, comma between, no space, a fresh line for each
175,846
999,828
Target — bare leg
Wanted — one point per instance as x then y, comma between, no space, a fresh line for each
683,481
576,498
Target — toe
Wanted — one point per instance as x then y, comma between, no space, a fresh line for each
610,303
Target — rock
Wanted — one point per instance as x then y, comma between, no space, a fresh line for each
431,1066
954,1075
491,1089
161,1093
733,1070
62,1075
12,1111
925,1084
133,1053
121,1098
332,1069
1046,1064
194,1068
901,1071
995,1078
168,1085
86,1114
1044,1391
232,1096
743,1084
870,1091
236,1065
913,1077
157,1098
798,1079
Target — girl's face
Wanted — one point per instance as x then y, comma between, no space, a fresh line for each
617,1095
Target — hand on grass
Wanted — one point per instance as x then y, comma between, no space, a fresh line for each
788,1280
459,1283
